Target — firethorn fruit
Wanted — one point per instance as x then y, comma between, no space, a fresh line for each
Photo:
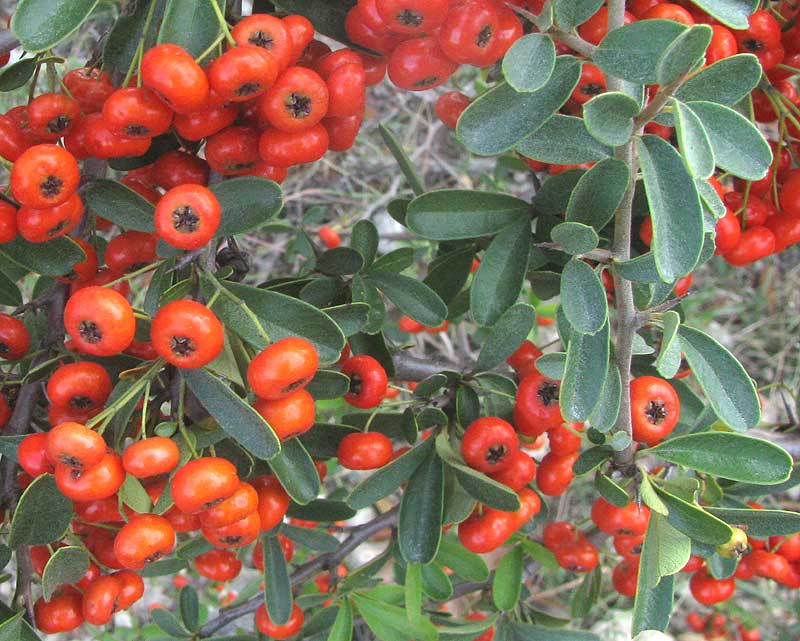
708,590
173,74
44,176
237,534
655,409
274,631
15,341
187,216
218,565
151,457
75,445
88,484
32,454
100,321
364,451
368,381
237,506
81,386
62,613
273,502
136,112
243,73
187,334
50,115
296,102
289,416
489,444
101,600
631,519
202,483
536,409
142,540
283,367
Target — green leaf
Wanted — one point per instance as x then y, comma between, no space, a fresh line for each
669,356
122,41
583,298
163,567
552,365
9,292
506,336
328,17
653,607
412,297
419,526
609,117
296,471
390,623
609,490
731,13
674,207
67,565
529,632
571,13
464,563
322,510
277,587
732,456
529,63
575,238
584,374
413,592
169,623
585,597
342,629
234,415
477,485
313,539
693,141
565,140
760,523
365,239
455,214
632,52
284,316
693,521
665,552
53,258
340,261
365,293
350,318
604,415
42,24
727,81
507,582
684,53
726,384
400,155
552,198
16,75
448,273
497,283
121,205
500,118
189,607
598,193
247,202
33,525
190,24
387,479
328,384
739,147
133,494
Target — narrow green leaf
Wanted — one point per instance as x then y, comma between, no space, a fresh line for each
121,205
464,563
604,415
189,607
455,214
731,13
760,523
53,258
583,298
674,208
693,141
67,565
365,239
609,117
42,24
598,193
632,52
732,456
564,140
684,53
669,355
529,63
507,582
419,527
413,592
739,147
296,471
400,155
31,525
497,283
247,202
16,75
9,292
727,81
575,238
584,374
342,629
192,25
390,623
233,414
412,297
511,329
500,118
725,382
653,607
571,13
277,587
